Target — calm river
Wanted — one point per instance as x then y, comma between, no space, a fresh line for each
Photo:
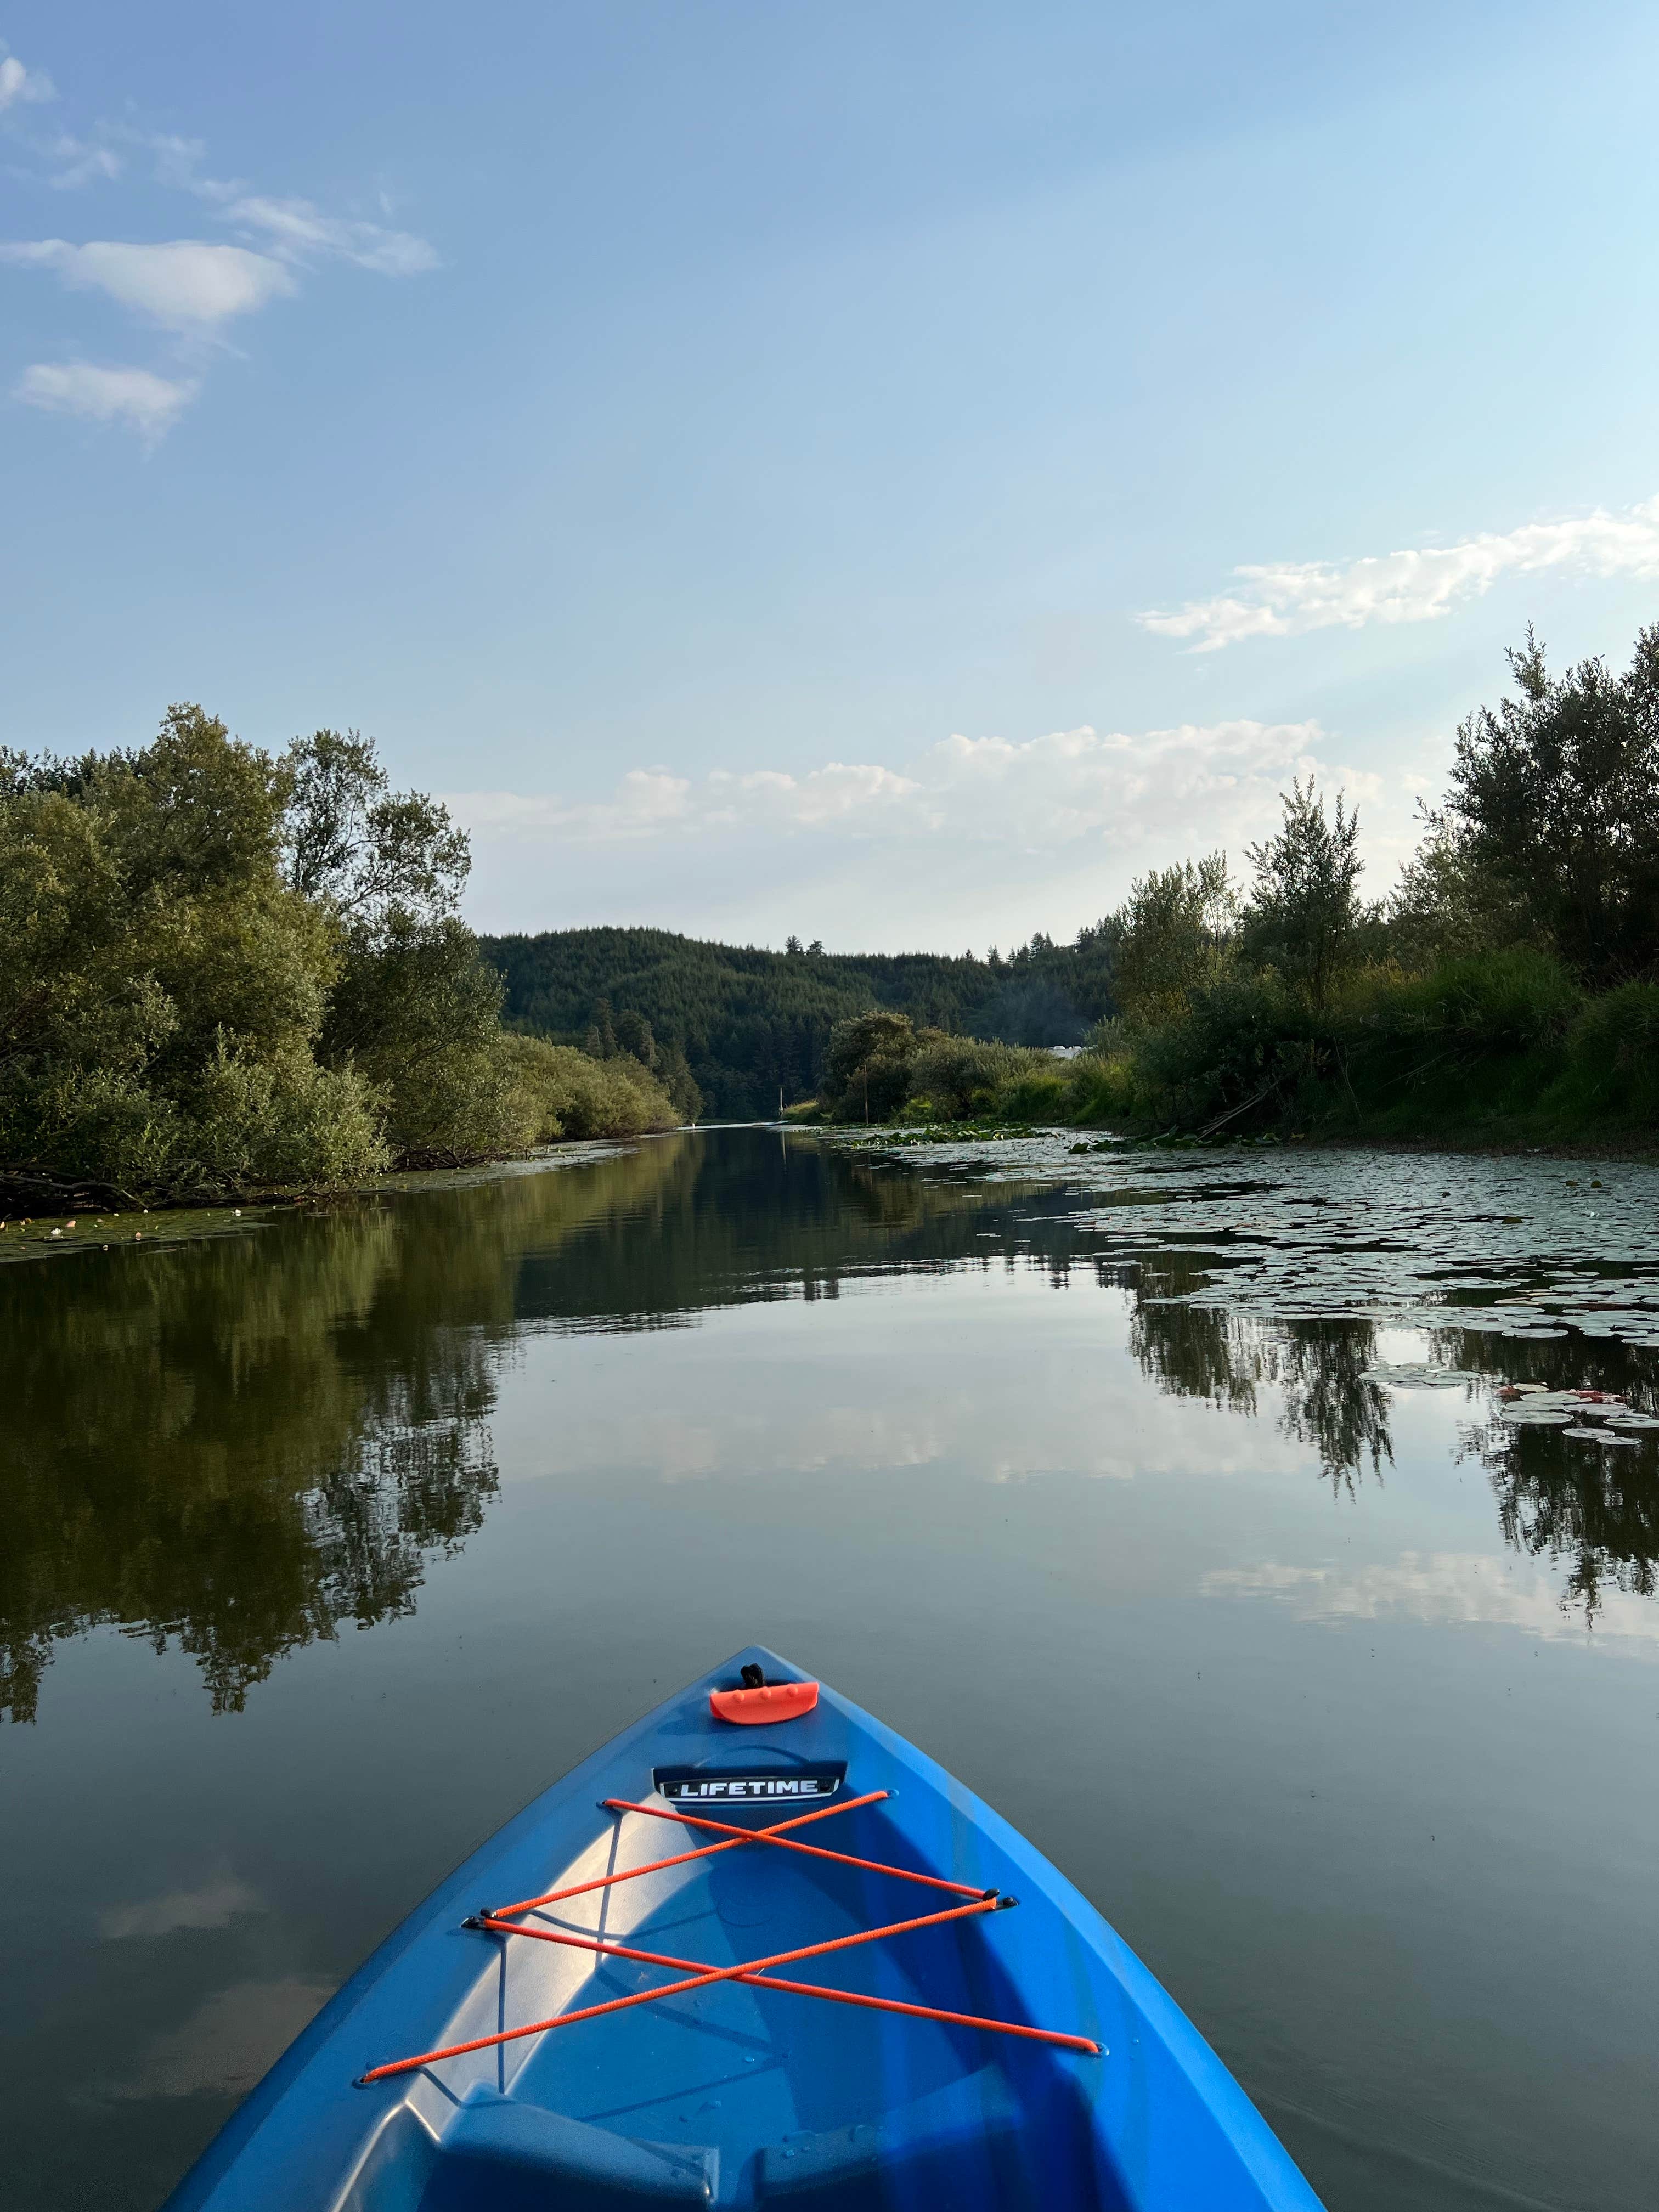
1119,1483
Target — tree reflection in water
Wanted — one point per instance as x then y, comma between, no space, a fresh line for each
1224,1358
1593,1507
195,1455
238,1444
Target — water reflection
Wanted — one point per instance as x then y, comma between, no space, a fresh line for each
241,1444
215,1446
1319,1368
1592,1512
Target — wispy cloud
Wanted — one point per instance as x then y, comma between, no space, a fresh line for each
1286,599
21,86
215,1905
188,287
1475,1588
187,284
1111,788
135,398
300,233
84,161
958,841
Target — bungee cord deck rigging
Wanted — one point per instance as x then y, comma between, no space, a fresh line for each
498,1921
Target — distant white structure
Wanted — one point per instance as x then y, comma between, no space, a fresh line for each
1064,1051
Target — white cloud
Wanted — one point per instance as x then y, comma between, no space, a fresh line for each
135,397
1287,599
972,839
19,86
1112,790
191,287
187,284
177,159
215,1905
298,231
1473,1588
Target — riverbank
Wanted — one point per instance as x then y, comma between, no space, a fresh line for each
1501,1053
102,1229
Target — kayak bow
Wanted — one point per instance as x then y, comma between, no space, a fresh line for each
631,2033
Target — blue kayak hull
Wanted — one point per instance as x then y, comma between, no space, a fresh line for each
736,2095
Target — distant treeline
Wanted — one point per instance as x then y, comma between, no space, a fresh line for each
1506,990
222,968
748,1025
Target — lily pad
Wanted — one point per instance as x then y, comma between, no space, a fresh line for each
1408,1377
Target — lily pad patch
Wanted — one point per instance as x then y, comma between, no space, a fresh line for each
1410,1376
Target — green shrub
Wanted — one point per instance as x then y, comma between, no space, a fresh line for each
560,1092
1237,1058
220,971
1505,1001
1105,1090
964,1075
1036,1094
1612,1052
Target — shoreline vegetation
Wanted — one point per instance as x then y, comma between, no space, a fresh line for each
225,972
753,1026
1503,996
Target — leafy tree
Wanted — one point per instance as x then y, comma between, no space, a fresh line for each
352,842
1303,915
162,987
866,1074
1448,903
1171,936
413,1010
1555,799
220,969
674,1073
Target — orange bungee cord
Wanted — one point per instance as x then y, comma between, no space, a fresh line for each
753,1971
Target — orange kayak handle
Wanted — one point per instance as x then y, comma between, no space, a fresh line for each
777,1701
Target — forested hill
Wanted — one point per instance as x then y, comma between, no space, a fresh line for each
753,1023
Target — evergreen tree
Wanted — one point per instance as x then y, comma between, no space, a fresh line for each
633,1035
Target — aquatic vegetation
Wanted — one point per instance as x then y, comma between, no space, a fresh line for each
1407,1375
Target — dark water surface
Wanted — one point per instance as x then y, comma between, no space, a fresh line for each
328,1542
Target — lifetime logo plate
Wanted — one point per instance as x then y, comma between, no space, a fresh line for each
705,1786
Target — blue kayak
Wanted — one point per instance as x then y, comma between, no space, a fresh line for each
932,2016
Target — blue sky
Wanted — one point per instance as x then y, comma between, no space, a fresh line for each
780,469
